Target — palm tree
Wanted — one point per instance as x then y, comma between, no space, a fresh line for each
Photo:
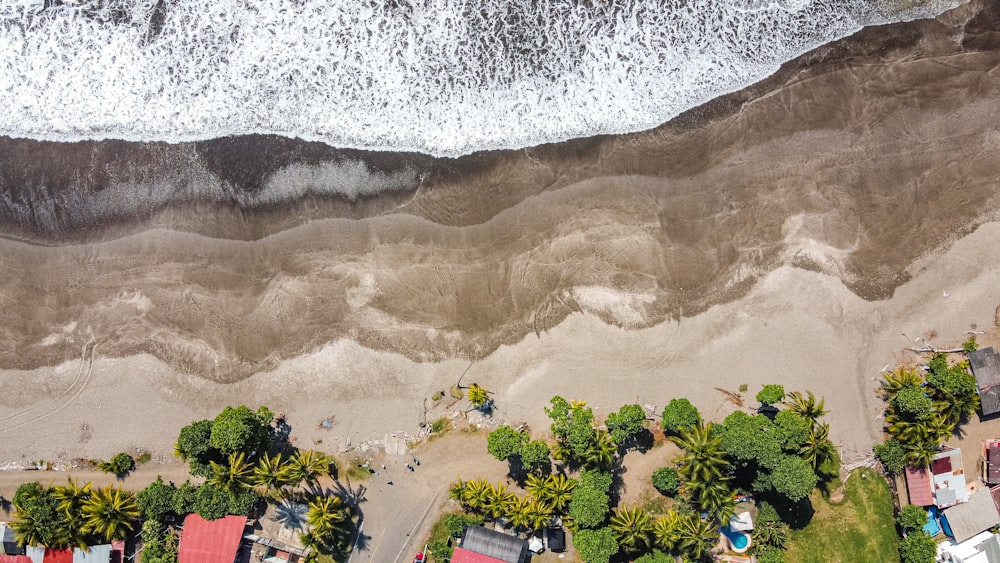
271,474
538,514
714,497
110,513
697,536
537,485
666,531
27,530
476,494
902,377
325,513
518,511
818,448
234,477
478,396
703,459
807,408
919,454
602,451
71,498
559,492
497,500
457,491
633,528
307,465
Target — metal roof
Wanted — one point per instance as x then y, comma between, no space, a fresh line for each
465,556
970,518
985,366
499,546
918,485
215,541
93,554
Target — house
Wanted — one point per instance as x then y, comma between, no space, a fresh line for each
918,486
970,518
480,545
985,366
215,541
15,559
93,554
948,478
991,461
981,548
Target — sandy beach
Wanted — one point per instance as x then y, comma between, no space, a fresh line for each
803,231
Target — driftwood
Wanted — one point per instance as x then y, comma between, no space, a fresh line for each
933,350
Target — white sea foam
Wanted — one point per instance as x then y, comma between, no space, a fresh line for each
445,77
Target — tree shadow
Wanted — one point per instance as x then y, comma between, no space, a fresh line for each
796,514
291,515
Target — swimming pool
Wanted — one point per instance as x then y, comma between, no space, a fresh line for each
738,540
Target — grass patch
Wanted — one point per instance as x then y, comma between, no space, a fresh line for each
861,526
440,537
356,471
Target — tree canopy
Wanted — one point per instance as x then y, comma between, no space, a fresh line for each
626,424
505,443
771,394
794,478
596,546
239,429
589,507
679,414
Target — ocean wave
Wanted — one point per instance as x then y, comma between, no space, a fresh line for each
444,77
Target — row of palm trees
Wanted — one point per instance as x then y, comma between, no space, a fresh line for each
106,513
637,531
271,476
920,438
547,496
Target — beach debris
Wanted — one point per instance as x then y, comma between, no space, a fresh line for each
734,398
327,423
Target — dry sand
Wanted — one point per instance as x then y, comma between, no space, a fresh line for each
789,233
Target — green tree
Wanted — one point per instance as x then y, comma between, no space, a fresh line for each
559,413
900,379
918,547
818,449
595,546
678,415
752,438
110,513
193,446
241,430
911,517
184,498
793,430
589,507
655,556
666,480
37,518
892,455
535,456
601,451
211,502
626,424
667,531
771,394
505,443
633,529
159,544
913,404
597,479
156,501
794,478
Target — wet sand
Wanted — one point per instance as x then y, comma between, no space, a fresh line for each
769,236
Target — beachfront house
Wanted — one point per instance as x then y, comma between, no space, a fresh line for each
948,478
15,559
482,545
976,515
215,541
92,554
985,366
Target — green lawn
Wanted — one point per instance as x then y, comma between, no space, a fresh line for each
859,529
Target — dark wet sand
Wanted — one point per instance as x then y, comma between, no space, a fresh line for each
225,257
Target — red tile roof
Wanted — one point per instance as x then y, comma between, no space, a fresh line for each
15,559
918,485
466,556
215,541
58,555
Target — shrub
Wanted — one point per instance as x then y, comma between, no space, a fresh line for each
626,423
771,394
970,345
456,523
589,507
666,481
892,455
912,403
120,464
596,546
679,413
505,442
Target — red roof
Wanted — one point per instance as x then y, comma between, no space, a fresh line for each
918,485
215,541
15,559
466,556
58,555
